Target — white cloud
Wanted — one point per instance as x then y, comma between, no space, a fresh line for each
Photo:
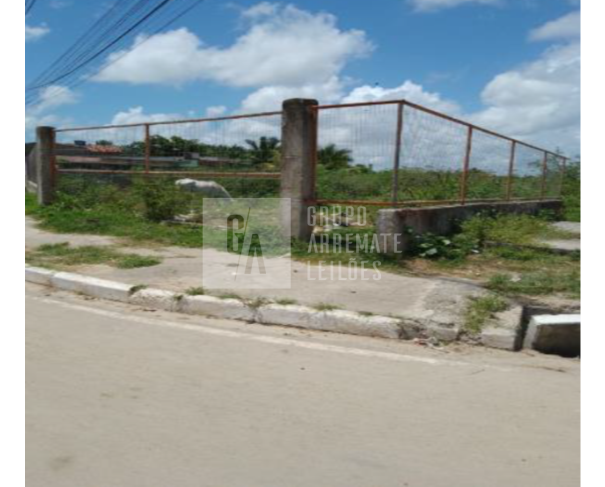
51,98
33,33
283,46
433,5
540,101
138,115
566,27
60,4
408,91
270,98
216,111
262,9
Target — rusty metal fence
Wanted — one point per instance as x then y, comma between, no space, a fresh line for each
397,153
242,151
383,154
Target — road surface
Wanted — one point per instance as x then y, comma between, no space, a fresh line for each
122,397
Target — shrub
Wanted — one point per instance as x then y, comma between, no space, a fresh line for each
161,198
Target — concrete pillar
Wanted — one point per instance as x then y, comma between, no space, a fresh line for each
299,147
45,147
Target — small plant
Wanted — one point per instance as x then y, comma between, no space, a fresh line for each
257,303
135,289
195,291
286,302
481,309
325,307
430,246
366,314
231,296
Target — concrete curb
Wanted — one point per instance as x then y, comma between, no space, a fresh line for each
507,334
555,334
337,321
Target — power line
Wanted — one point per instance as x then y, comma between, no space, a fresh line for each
121,22
29,4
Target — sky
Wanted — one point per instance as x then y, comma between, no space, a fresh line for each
510,65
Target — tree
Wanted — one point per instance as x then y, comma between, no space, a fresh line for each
263,151
333,158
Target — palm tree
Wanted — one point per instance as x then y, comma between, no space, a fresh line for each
263,151
333,158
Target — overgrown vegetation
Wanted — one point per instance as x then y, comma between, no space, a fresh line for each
60,256
572,192
138,208
107,209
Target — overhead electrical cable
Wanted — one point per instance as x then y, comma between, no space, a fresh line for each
123,21
29,4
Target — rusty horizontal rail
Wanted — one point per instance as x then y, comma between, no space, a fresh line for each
387,204
171,122
440,115
225,175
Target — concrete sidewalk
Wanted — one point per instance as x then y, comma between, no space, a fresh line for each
182,269
432,303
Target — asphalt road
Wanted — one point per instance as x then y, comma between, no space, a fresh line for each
121,397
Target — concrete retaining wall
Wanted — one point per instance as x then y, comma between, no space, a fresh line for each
397,226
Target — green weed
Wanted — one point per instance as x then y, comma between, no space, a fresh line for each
480,310
63,255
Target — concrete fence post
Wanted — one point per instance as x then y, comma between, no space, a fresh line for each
299,153
45,148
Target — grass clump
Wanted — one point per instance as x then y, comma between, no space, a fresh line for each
135,289
62,255
286,302
231,296
325,307
510,229
567,282
258,303
195,291
134,261
481,310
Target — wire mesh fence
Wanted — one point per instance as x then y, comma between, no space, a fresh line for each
392,153
241,152
399,154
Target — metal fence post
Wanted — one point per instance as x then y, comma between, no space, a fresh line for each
544,176
299,158
563,176
147,148
511,170
398,142
45,164
467,164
